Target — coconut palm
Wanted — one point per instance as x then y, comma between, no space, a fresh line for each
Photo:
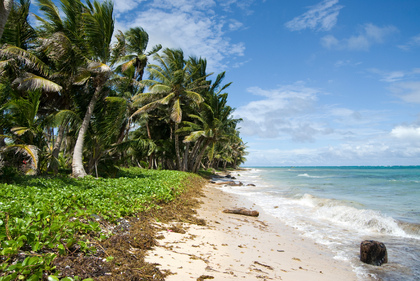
99,29
213,125
131,49
62,44
171,84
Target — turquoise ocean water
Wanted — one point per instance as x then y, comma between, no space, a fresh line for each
342,206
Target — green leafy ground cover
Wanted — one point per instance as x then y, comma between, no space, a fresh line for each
44,218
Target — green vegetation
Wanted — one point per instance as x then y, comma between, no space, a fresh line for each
42,218
72,100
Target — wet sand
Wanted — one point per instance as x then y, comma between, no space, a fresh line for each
237,247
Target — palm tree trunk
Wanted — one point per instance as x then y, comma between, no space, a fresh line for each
178,155
56,149
185,164
194,153
152,155
5,8
78,171
200,156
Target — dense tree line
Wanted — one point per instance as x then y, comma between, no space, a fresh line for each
73,97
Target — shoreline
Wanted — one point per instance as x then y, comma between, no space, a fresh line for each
231,247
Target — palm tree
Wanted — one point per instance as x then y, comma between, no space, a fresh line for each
63,45
99,29
131,49
171,83
213,125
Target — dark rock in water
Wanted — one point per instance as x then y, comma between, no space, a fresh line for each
250,184
228,176
242,211
373,252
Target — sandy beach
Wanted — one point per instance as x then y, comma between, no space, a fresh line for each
237,247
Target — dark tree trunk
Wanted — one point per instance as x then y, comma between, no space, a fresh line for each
186,153
177,152
200,156
56,149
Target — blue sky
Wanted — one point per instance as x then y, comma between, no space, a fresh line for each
333,82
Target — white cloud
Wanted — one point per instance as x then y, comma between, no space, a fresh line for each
342,63
290,111
122,6
189,25
408,91
290,125
370,34
405,133
384,149
234,24
322,16
414,42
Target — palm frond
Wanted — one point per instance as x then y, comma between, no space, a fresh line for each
128,64
98,67
154,50
176,112
82,78
160,88
146,108
194,136
195,97
26,58
167,99
19,131
33,82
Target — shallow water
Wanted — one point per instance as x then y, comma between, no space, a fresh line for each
342,206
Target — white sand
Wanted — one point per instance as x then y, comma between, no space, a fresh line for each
236,247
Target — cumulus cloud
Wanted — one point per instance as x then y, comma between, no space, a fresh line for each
406,133
189,25
382,150
282,119
294,112
369,35
322,16
123,6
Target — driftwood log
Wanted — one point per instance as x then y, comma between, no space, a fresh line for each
231,183
373,252
242,211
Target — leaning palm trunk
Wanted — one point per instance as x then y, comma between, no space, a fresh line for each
78,170
194,153
200,156
5,8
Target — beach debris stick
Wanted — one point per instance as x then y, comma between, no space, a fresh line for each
242,211
265,265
